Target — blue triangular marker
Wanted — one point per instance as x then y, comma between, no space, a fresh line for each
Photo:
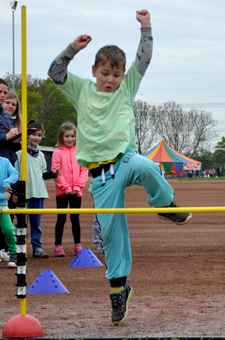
47,283
86,259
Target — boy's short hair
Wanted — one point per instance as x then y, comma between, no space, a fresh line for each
35,124
113,54
65,127
2,81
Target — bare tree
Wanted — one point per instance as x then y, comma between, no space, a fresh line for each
147,119
185,130
202,129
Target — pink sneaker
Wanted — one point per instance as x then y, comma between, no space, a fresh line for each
77,250
58,251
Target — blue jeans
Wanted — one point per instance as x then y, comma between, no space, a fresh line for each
35,221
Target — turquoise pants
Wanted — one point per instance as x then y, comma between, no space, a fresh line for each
8,230
130,169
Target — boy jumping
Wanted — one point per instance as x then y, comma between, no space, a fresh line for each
106,144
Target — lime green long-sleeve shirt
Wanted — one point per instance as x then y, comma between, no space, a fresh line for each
106,122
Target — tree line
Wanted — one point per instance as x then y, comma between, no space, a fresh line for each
187,131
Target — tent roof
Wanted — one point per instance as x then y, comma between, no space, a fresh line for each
162,152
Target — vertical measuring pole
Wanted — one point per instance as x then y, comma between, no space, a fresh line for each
24,95
22,219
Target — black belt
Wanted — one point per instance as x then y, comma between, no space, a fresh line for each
98,171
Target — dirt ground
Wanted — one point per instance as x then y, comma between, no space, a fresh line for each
178,274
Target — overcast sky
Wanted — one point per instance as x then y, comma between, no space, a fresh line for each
188,64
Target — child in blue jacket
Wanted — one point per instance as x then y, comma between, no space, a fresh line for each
8,176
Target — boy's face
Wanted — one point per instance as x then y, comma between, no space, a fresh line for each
3,93
35,139
108,78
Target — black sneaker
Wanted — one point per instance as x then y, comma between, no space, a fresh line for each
177,218
119,303
40,253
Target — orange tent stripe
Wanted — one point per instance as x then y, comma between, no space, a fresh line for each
162,154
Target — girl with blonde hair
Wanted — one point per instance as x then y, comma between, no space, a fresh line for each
12,106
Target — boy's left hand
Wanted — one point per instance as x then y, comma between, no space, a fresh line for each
143,17
57,172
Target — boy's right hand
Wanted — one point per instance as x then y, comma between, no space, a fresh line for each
81,42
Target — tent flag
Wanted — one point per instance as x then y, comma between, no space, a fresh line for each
167,166
174,170
179,167
171,160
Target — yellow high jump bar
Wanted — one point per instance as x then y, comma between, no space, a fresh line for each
115,210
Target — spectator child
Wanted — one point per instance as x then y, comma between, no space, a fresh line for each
106,145
96,236
36,188
8,176
68,186
96,231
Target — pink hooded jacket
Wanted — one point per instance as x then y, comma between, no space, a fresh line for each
74,176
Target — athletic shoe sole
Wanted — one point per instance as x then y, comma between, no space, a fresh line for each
98,251
163,218
12,265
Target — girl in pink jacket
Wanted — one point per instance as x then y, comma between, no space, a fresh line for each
69,186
